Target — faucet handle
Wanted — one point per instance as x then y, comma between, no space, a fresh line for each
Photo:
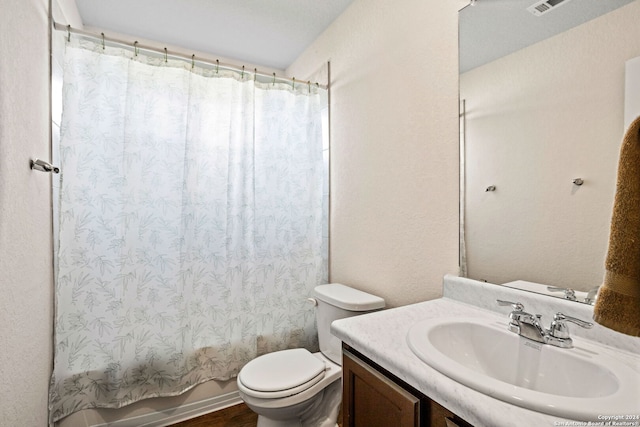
515,315
515,305
569,293
559,327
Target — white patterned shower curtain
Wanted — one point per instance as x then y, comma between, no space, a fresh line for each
191,225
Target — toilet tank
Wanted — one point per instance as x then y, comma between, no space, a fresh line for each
336,301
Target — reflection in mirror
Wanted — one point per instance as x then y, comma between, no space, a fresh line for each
542,106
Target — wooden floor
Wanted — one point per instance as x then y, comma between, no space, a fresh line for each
235,416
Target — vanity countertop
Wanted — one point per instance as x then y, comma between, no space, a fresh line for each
381,336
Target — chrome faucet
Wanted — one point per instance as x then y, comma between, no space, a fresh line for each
528,326
523,323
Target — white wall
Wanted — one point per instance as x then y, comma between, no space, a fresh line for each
26,288
535,120
631,90
394,145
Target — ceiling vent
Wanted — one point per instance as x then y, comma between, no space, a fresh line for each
544,6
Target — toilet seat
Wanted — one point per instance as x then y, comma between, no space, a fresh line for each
281,374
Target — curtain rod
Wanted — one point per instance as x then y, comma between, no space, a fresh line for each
135,46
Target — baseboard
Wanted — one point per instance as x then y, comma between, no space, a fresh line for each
178,414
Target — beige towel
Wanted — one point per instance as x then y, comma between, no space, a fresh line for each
618,303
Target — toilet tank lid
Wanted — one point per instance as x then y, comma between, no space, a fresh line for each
348,298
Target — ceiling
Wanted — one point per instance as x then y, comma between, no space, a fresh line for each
491,29
271,33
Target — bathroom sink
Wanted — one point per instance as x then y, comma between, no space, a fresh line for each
581,383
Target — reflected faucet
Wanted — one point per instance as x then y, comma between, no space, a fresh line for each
569,293
528,326
592,295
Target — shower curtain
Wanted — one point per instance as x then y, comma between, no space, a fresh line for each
191,225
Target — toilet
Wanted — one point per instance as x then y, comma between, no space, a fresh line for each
297,388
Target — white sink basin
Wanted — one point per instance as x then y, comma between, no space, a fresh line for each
581,383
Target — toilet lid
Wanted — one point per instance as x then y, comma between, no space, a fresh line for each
282,373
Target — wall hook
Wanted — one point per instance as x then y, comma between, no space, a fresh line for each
578,181
491,188
42,166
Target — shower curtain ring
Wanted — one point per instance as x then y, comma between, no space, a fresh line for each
293,83
102,41
274,79
68,33
255,75
165,55
242,75
193,60
217,66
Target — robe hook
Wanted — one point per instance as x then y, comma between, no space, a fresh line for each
42,166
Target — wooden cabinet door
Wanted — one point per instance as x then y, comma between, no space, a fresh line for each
440,416
370,399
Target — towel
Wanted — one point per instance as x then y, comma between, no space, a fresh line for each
618,303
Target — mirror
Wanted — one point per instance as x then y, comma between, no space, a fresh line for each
542,119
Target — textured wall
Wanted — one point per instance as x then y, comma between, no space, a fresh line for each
394,145
25,215
536,120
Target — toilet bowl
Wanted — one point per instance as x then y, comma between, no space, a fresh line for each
297,388
297,398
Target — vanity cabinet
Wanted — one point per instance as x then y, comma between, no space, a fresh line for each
373,397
